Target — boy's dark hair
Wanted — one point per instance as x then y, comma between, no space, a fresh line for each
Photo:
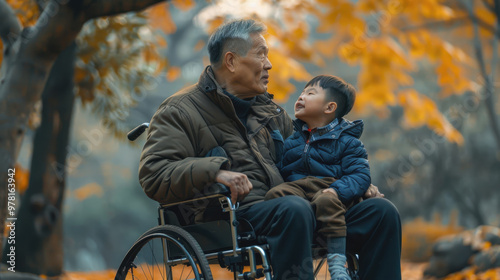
338,91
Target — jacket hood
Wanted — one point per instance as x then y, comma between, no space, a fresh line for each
334,129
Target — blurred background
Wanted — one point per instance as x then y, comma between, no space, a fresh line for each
427,79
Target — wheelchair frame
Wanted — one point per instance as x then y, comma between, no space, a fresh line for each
232,255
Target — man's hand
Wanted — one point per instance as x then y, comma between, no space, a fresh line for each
238,183
372,191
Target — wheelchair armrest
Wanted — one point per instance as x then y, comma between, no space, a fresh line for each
184,212
215,189
211,191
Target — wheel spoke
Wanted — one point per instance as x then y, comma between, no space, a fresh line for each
147,252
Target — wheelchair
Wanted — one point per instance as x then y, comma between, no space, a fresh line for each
181,248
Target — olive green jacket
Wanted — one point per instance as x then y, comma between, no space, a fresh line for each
196,133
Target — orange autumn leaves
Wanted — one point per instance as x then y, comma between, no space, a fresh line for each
388,41
387,57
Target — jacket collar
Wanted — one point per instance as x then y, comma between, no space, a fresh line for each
263,107
332,130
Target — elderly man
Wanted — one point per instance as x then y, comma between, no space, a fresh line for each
227,129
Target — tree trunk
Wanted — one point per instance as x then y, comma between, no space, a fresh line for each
28,58
39,224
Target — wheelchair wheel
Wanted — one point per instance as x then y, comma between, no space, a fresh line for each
165,252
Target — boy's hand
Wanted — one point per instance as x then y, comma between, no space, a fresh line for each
330,190
372,191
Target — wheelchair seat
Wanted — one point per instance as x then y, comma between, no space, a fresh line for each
211,227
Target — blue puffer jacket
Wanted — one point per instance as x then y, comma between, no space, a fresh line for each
332,151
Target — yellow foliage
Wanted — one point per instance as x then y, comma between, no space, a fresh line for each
199,45
383,155
451,61
328,48
421,10
93,275
488,17
183,5
384,67
284,69
409,271
419,236
386,55
159,17
350,53
22,178
470,274
292,42
173,73
117,61
27,11
91,189
214,23
421,110
162,42
340,16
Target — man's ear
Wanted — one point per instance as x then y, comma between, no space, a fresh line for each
230,61
331,107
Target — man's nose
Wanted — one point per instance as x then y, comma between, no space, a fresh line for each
267,64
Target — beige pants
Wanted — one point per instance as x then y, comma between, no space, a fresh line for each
328,208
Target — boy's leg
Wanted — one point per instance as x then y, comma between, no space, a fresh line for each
331,225
288,188
288,223
374,233
330,213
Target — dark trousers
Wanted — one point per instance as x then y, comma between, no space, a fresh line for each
288,223
373,232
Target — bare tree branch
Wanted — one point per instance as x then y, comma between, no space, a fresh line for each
488,84
494,59
457,20
488,5
495,43
50,37
98,8
9,25
497,9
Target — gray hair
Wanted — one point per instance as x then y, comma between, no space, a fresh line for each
233,36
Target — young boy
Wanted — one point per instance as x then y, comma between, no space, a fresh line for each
325,162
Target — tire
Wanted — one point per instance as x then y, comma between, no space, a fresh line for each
145,260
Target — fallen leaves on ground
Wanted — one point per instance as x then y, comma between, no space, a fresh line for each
409,271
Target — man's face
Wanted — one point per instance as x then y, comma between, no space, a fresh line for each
251,71
311,104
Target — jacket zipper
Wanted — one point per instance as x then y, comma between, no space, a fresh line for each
306,152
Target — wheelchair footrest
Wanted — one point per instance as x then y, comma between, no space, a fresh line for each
233,263
248,275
